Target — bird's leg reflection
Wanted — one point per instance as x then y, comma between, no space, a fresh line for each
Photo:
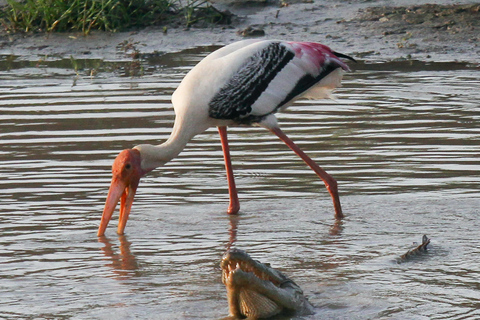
122,263
336,228
232,231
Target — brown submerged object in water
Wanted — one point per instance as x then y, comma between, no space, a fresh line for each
422,248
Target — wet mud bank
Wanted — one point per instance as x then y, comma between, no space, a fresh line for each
371,31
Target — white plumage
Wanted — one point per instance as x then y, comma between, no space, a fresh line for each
214,71
243,83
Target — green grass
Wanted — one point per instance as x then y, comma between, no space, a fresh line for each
110,15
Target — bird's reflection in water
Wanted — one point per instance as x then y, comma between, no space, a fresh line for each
336,228
232,230
124,264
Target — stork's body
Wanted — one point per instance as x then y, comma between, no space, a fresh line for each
244,83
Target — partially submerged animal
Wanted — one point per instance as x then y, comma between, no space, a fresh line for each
256,290
421,249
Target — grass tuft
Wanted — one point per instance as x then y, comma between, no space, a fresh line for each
109,15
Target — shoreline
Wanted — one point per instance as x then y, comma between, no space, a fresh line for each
366,31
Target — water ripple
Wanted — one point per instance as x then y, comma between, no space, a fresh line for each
402,140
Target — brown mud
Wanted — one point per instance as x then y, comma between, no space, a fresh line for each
367,30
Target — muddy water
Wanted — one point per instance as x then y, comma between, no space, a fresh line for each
402,139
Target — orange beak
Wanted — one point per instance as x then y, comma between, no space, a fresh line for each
126,173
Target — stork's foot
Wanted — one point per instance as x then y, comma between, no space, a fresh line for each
233,208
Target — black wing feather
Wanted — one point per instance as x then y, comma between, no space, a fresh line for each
235,99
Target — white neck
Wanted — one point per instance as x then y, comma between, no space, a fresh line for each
156,156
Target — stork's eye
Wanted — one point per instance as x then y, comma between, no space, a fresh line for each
128,166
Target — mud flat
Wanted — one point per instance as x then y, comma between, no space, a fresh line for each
371,31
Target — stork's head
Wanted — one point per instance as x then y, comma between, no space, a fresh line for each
126,173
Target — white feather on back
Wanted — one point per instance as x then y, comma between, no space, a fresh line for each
278,89
204,80
286,80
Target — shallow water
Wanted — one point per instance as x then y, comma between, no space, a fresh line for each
402,139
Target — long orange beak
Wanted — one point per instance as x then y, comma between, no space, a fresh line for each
126,176
118,191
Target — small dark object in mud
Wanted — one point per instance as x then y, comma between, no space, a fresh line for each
251,32
422,248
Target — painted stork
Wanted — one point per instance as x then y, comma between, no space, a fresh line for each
244,83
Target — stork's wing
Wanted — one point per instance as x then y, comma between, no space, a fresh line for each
235,99
273,77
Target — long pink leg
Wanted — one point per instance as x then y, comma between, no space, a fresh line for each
329,181
234,205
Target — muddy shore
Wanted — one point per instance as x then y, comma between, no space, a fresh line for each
368,30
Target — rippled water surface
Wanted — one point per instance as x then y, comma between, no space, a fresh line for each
402,139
